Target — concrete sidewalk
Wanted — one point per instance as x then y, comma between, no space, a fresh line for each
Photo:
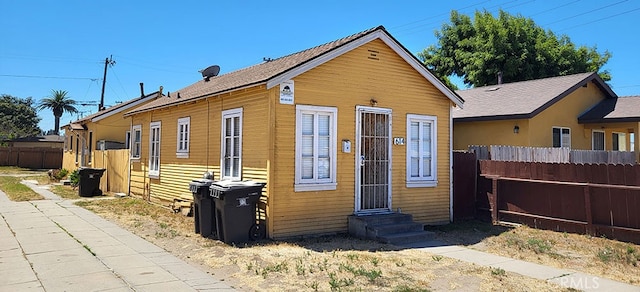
54,245
562,277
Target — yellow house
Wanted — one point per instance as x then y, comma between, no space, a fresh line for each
103,130
353,126
567,111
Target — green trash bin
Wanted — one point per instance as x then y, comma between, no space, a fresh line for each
89,184
236,207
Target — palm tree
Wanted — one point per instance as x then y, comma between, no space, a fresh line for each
59,103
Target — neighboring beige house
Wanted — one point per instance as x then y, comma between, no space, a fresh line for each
46,141
578,111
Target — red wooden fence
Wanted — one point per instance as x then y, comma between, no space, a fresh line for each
596,199
34,158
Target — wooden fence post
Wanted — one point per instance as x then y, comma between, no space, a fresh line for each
494,200
587,209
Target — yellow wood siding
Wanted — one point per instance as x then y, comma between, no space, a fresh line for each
345,82
204,144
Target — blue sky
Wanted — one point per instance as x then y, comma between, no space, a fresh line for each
62,44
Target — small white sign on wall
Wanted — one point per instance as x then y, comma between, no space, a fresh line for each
286,92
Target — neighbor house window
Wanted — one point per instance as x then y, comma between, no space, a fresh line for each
561,137
154,149
316,148
632,142
136,145
619,142
231,152
184,126
421,151
127,140
597,140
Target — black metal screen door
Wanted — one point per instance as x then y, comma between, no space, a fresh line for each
373,185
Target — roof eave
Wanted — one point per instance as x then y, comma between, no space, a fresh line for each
493,118
609,120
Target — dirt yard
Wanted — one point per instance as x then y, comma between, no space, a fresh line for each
331,263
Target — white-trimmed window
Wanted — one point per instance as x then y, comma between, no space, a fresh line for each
421,151
316,148
561,137
231,150
597,140
154,149
182,146
136,142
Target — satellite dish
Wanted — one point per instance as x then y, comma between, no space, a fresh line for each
210,71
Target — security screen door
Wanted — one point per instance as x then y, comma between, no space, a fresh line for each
373,160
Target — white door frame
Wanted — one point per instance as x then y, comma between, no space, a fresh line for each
359,160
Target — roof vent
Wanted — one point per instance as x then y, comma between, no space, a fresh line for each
210,71
492,89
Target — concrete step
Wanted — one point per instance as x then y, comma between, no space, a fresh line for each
382,219
374,231
407,237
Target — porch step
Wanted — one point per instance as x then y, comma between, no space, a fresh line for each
375,231
393,228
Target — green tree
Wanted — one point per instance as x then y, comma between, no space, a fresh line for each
478,49
59,103
18,117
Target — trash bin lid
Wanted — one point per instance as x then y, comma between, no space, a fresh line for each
201,182
229,185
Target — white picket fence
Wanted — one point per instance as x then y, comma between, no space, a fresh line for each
551,155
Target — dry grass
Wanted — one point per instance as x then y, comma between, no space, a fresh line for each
331,263
17,191
594,255
66,192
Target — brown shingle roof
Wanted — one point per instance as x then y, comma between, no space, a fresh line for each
623,109
265,72
523,99
111,110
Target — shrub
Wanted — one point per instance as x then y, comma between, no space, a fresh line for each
74,178
58,174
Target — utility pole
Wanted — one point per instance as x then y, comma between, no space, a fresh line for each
107,61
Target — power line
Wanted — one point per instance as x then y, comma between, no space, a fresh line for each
587,12
435,16
600,19
554,8
49,77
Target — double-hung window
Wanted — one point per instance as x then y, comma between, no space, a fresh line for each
421,151
231,156
316,148
136,145
154,150
561,137
182,148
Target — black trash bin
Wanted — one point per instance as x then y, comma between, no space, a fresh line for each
89,184
203,207
236,204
